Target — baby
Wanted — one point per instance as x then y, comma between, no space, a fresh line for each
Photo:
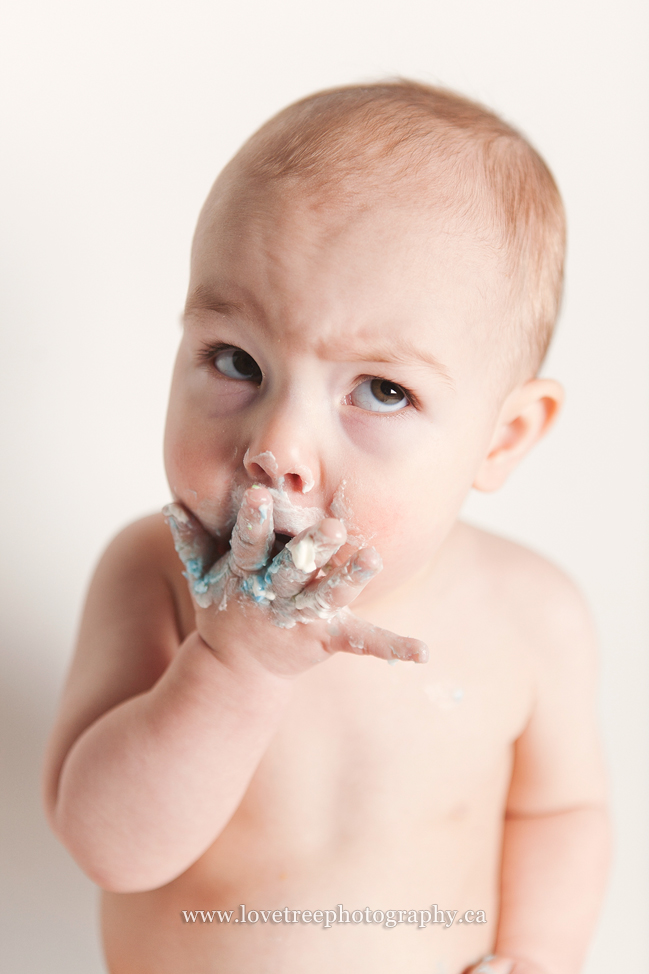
374,282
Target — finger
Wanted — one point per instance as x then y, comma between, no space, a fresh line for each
252,537
212,587
195,547
351,635
298,562
340,588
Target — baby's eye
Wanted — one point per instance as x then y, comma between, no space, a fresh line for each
379,395
237,364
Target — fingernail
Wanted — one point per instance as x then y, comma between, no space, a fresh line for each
335,534
360,572
175,513
258,507
412,654
255,487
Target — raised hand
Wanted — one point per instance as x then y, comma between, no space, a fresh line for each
298,585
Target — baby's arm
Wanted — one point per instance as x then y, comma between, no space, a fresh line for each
556,839
157,740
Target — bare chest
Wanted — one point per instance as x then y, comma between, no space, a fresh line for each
382,785
364,745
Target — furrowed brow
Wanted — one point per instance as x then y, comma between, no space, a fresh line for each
399,352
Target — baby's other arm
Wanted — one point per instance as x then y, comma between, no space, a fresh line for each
556,839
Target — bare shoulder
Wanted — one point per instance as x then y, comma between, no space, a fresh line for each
143,545
138,585
539,597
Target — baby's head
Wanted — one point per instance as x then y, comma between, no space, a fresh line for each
375,277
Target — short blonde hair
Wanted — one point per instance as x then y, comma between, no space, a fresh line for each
345,138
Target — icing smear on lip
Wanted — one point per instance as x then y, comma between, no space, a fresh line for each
288,517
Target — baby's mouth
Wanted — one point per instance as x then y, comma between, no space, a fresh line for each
281,540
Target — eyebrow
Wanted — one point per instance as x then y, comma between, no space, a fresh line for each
203,298
397,352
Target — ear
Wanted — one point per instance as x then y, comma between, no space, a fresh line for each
525,416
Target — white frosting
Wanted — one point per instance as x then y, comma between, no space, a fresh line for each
288,517
303,555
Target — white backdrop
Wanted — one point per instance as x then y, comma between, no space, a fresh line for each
116,117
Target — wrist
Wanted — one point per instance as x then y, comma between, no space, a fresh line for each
236,667
209,690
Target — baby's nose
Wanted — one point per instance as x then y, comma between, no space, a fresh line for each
272,471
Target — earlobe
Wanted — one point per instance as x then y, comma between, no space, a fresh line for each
525,417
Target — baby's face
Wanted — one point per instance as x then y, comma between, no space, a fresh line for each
341,357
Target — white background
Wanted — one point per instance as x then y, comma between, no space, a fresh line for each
115,119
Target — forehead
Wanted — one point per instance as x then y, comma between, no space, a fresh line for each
305,261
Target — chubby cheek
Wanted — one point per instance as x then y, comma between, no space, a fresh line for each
406,517
387,525
200,471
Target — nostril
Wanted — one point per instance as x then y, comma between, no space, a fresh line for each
261,467
264,468
294,482
304,477
258,474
